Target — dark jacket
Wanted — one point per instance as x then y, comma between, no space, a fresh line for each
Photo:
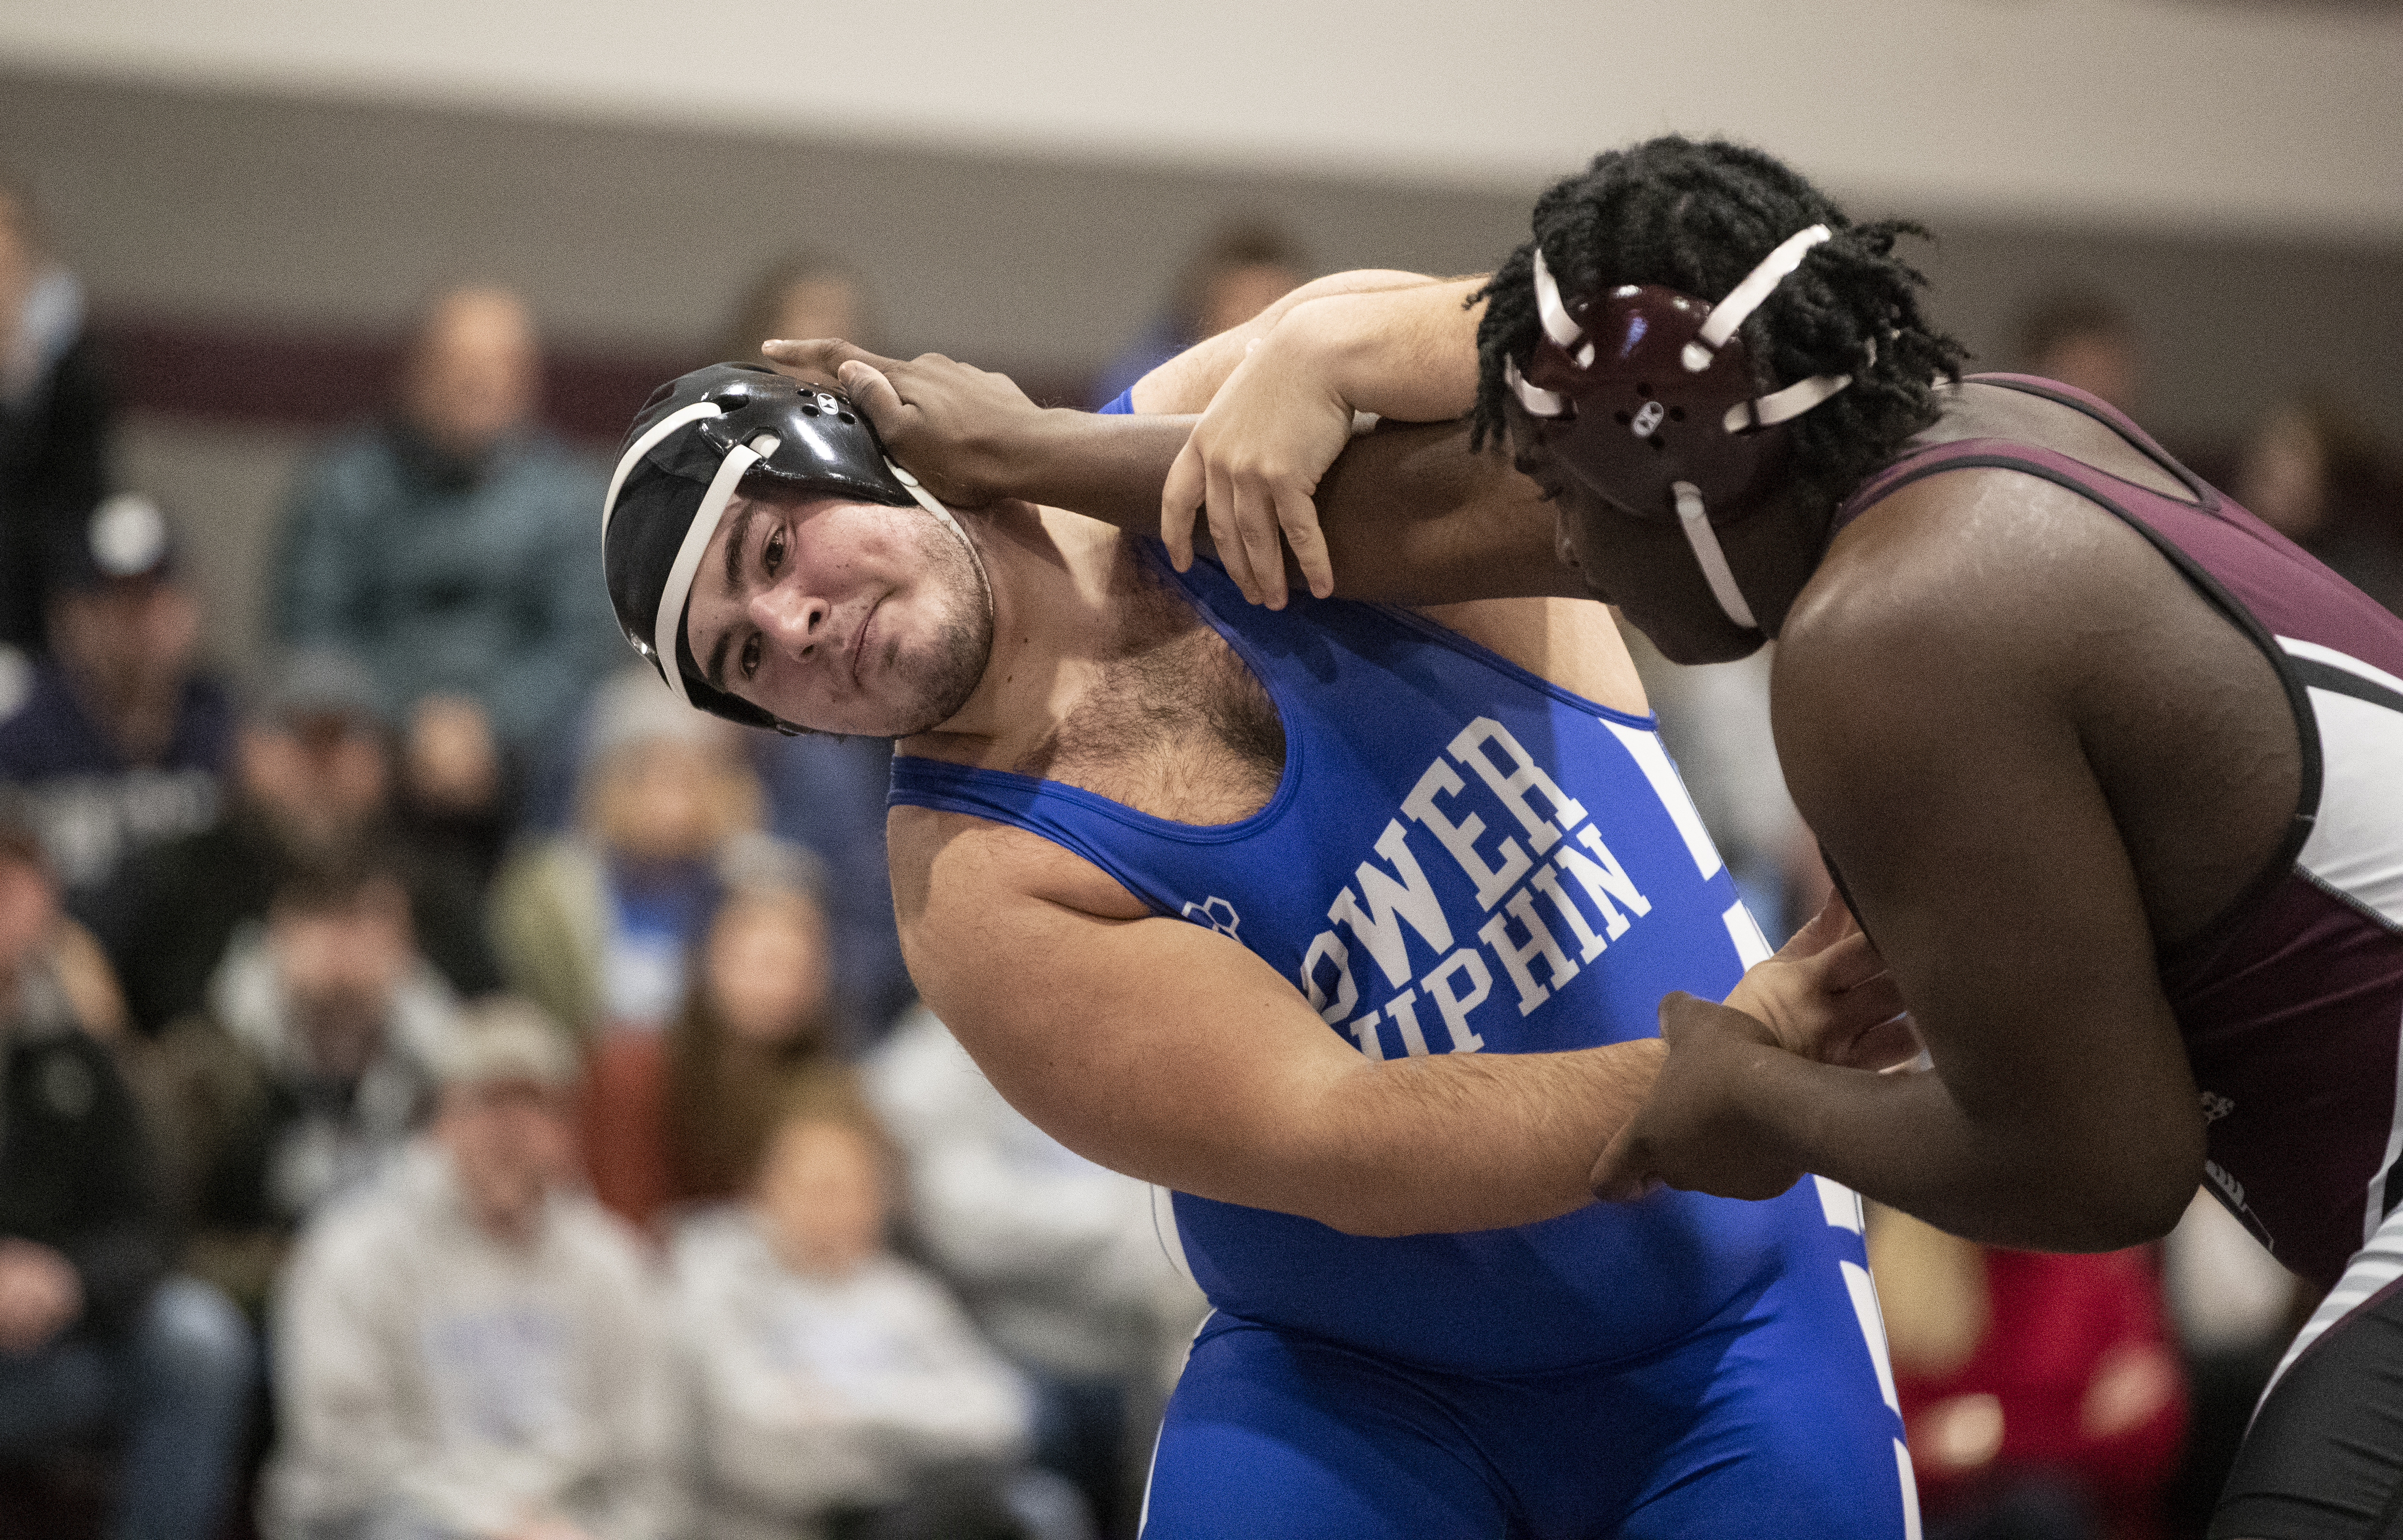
75,1167
53,472
168,918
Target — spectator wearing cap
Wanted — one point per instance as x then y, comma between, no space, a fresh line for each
313,772
474,1348
449,548
119,741
95,1338
55,419
308,1074
595,925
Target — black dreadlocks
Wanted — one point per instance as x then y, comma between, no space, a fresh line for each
1696,217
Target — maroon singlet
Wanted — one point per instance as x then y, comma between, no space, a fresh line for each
2291,1002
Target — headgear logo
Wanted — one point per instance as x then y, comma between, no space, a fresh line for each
1217,913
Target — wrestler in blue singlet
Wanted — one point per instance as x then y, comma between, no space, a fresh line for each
1461,857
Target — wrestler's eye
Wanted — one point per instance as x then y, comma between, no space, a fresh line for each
771,554
749,663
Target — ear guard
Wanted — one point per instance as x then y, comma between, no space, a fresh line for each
696,440
1648,396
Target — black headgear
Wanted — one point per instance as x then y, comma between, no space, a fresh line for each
696,440
1648,396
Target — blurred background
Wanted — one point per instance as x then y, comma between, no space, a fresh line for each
257,196
360,913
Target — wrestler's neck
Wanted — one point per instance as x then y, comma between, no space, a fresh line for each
1061,587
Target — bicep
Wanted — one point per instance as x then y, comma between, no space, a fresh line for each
1149,1045
1955,800
1412,517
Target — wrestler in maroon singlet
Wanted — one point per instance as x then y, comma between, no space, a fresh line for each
2291,1003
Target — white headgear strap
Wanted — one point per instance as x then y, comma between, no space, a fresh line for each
943,516
730,470
1695,520
1745,298
1555,316
1538,401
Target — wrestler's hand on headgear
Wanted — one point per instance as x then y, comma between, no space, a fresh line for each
957,428
1253,462
1828,997
1691,1132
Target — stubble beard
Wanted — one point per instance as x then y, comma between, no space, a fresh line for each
940,677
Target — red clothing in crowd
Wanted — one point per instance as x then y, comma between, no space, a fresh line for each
2076,1360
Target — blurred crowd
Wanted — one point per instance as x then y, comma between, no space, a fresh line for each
448,1088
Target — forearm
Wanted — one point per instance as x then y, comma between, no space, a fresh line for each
1904,1140
1462,1141
1106,467
1186,382
1410,354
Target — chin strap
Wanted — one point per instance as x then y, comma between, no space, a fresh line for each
1695,520
943,516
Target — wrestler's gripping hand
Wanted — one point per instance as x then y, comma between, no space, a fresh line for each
962,431
1825,996
1254,463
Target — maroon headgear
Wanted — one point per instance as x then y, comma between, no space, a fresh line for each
1646,395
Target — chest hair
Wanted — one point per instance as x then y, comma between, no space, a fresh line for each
1176,725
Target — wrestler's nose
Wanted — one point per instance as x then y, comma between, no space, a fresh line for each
792,621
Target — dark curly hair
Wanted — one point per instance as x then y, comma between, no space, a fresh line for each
1696,217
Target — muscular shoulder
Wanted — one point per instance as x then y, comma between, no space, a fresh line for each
1573,643
1971,574
952,869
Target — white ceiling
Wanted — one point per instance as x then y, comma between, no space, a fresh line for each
2274,119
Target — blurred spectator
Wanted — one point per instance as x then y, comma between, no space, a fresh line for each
2039,1393
450,548
829,1378
683,1115
1059,1260
307,1075
312,773
55,412
472,1350
825,795
594,925
93,1338
2317,473
1241,271
121,743
2084,339
805,294
2235,1309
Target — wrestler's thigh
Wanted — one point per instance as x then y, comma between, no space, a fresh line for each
1793,1419
1272,1438
2324,1458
